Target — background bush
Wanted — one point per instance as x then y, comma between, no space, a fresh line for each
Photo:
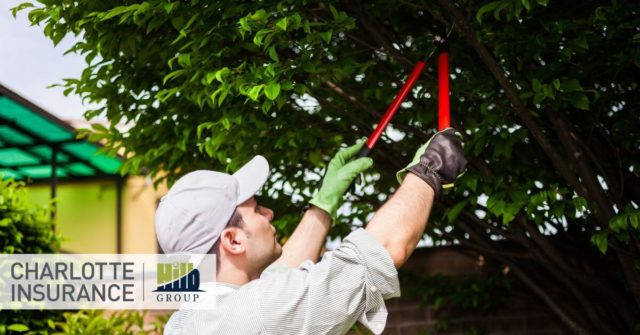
25,228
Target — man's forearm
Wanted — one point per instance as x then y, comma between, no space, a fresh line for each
308,238
400,222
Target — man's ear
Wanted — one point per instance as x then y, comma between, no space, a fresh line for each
233,241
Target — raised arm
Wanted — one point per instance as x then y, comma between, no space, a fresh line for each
307,240
400,222
309,237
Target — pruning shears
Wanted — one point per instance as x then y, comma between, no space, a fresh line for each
441,46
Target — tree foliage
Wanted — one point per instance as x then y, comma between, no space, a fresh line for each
546,93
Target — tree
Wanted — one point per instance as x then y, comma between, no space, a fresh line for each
545,92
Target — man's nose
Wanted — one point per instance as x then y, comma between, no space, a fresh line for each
270,214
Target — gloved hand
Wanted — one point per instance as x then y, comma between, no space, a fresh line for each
439,161
339,177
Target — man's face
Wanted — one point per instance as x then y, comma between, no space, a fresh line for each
262,247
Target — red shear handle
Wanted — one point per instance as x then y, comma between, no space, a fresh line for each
443,91
393,108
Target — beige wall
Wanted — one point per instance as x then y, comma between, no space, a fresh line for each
86,215
139,205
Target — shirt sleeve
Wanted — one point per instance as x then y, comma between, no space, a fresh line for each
348,284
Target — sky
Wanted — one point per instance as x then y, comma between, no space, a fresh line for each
29,63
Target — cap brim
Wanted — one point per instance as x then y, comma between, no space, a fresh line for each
251,177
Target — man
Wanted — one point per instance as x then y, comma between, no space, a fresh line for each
263,288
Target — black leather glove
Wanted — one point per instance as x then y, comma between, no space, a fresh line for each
439,161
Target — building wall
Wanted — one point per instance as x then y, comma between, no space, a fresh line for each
522,314
139,205
87,215
518,317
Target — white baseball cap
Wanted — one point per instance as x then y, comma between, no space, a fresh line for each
192,215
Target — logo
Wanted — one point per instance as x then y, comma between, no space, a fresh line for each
177,277
106,281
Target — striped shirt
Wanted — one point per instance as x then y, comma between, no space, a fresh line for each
349,284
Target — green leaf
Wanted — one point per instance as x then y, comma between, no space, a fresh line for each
326,36
99,127
220,74
202,127
570,85
118,11
5,222
282,24
490,7
18,327
244,26
169,7
539,97
536,86
286,85
548,91
309,67
579,101
601,14
210,77
254,92
618,223
334,12
223,95
634,219
172,75
260,35
510,212
455,211
472,183
600,240
526,5
184,60
260,14
273,54
226,124
272,90
495,205
581,41
580,203
20,7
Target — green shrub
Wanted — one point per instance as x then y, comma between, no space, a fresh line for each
25,228
104,323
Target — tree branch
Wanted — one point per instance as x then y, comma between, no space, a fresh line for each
518,105
372,111
603,211
589,179
377,33
539,291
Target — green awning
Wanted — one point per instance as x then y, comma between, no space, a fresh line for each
29,137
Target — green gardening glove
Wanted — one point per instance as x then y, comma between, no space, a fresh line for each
339,177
